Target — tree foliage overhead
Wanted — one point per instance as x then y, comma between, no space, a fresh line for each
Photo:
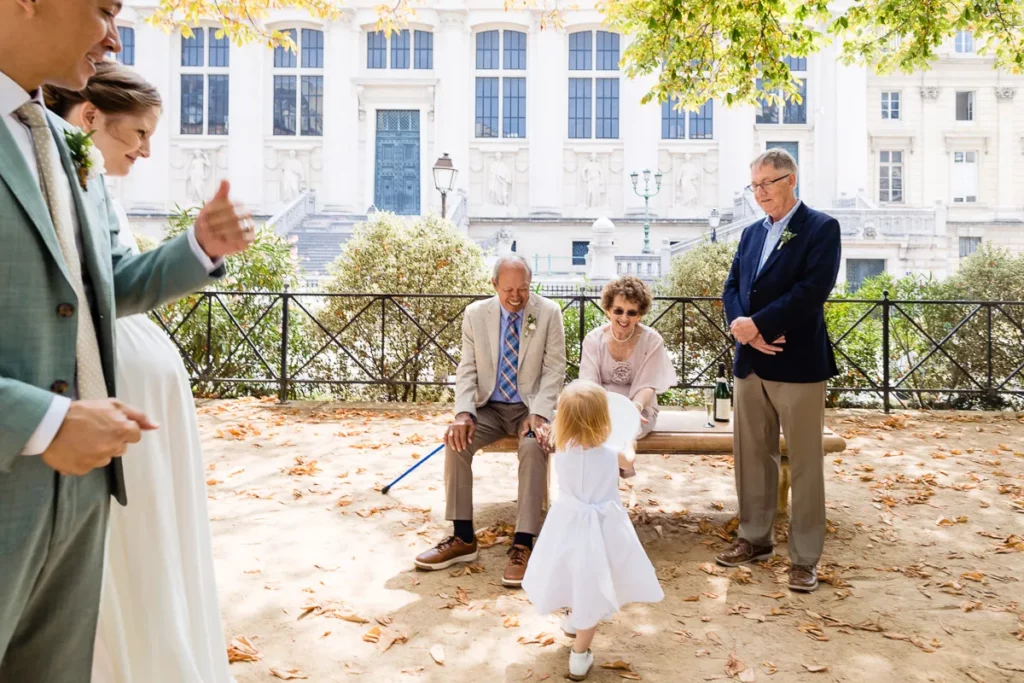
704,50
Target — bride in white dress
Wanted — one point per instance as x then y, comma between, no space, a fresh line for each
159,614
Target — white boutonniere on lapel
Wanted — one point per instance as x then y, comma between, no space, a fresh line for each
531,325
785,237
85,155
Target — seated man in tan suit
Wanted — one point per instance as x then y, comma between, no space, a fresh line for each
512,370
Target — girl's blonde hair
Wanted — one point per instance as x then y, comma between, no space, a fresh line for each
582,418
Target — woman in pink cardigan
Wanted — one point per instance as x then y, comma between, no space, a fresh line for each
625,356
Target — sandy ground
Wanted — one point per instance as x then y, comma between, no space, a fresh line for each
924,558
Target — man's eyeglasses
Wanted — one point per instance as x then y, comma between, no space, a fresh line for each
632,313
754,187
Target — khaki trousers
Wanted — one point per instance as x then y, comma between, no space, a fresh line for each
760,407
494,421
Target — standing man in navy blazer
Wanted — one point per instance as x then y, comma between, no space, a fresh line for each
783,272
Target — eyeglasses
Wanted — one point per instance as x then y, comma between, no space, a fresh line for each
632,313
754,187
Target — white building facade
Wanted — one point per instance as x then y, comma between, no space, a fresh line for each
545,131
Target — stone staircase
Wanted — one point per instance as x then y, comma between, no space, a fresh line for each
319,239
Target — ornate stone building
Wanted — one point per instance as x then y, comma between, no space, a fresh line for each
545,131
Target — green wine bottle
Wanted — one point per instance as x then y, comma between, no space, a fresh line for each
723,396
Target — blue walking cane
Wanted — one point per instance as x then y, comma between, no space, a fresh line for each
409,471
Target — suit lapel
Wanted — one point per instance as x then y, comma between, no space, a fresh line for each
525,336
492,312
18,177
795,223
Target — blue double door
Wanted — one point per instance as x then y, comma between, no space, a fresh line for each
397,162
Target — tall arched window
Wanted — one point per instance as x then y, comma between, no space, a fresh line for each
500,102
205,59
299,85
593,90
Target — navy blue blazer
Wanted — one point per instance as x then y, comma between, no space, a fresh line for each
786,298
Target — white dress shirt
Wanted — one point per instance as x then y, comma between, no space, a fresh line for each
11,98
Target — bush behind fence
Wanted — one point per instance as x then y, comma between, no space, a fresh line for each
406,347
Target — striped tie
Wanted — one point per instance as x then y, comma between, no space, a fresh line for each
509,364
89,369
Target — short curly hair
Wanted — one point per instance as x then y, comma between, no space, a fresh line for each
632,289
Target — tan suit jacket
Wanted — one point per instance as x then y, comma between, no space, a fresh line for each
541,372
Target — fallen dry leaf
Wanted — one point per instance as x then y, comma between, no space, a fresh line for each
242,650
287,674
437,654
816,668
733,666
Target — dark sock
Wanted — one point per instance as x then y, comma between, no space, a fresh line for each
523,539
464,530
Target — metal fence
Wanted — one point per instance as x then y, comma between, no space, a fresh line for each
407,346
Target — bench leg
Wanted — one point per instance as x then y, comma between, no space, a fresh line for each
546,503
782,509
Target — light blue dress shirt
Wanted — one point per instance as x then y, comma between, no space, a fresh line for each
775,231
502,330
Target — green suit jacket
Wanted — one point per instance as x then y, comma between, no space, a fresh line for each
37,343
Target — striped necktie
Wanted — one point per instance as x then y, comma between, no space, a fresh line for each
509,364
57,192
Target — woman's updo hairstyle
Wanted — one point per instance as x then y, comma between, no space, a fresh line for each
113,89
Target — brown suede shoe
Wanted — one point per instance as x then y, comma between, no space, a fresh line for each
742,552
803,578
446,553
515,570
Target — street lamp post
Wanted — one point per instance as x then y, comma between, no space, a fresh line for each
444,179
647,194
713,220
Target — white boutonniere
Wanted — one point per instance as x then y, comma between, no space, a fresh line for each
531,324
785,237
87,158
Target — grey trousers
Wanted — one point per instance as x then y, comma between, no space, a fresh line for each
760,407
52,534
494,421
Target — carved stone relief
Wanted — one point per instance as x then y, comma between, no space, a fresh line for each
194,171
592,182
290,172
930,93
499,181
1005,93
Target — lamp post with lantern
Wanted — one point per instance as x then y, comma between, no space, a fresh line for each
444,179
646,194
713,221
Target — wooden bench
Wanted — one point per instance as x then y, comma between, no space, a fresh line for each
682,432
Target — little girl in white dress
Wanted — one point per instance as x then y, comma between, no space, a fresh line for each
588,557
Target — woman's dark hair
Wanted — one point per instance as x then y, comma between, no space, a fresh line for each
113,89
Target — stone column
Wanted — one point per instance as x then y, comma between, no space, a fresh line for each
640,130
546,118
340,191
248,90
1007,149
453,118
734,130
844,151
932,160
149,182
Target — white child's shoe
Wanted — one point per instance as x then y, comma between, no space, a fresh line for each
580,664
567,627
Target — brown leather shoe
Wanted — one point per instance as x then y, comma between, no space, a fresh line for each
446,553
515,570
803,578
742,552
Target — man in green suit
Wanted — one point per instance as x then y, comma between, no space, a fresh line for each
64,280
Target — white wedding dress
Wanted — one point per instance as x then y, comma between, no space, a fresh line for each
159,615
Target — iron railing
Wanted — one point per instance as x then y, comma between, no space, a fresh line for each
899,351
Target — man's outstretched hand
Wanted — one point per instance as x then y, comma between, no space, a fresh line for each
223,226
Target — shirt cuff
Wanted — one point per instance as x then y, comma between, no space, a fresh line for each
48,426
205,260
